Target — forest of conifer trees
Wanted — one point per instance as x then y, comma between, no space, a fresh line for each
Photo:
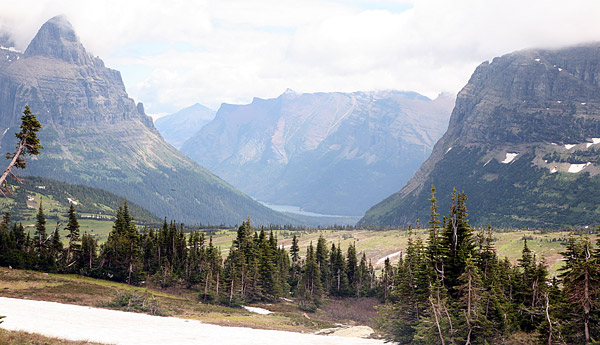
450,288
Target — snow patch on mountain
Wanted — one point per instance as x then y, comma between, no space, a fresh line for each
575,168
510,156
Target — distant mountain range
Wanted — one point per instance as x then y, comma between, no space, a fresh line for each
178,127
329,153
95,135
523,143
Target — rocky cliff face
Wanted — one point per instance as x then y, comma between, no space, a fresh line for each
330,153
95,134
522,143
178,127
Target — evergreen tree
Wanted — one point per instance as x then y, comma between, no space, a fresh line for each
582,290
435,250
352,270
322,257
120,253
310,289
457,242
28,144
40,230
88,252
73,236
267,262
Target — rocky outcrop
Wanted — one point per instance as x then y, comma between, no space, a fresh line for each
520,138
57,39
330,153
95,134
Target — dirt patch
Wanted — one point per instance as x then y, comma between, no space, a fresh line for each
351,311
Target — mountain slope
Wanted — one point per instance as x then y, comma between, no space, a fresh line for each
58,195
178,127
94,134
330,153
522,143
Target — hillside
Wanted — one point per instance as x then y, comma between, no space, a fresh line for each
522,143
328,153
89,202
95,135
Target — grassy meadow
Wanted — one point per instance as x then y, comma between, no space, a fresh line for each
379,244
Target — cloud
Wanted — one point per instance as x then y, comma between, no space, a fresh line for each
176,53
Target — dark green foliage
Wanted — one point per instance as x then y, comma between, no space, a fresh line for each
582,292
455,290
519,194
90,200
310,289
120,253
74,247
40,230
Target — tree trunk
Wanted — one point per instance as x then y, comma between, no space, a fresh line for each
586,306
437,321
550,329
12,162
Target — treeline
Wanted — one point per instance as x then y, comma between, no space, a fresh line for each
256,268
453,289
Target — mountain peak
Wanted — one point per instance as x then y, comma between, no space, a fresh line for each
57,39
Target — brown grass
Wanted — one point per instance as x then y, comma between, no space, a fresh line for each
177,302
22,338
354,311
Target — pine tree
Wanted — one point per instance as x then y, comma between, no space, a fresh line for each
352,269
270,289
88,252
435,251
582,289
73,236
28,144
121,252
457,242
40,230
310,289
471,291
322,257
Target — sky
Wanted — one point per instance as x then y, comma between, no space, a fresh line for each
174,53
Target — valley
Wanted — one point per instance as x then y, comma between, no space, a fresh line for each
323,216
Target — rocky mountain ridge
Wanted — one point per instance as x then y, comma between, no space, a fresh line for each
95,134
522,143
329,153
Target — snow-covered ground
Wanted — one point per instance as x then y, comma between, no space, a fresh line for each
391,256
261,311
510,156
575,168
121,328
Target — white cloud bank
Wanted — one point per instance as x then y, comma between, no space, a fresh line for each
175,53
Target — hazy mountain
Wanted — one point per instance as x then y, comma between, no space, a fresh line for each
180,126
94,134
330,153
523,143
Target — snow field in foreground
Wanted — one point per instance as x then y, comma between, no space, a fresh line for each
122,328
